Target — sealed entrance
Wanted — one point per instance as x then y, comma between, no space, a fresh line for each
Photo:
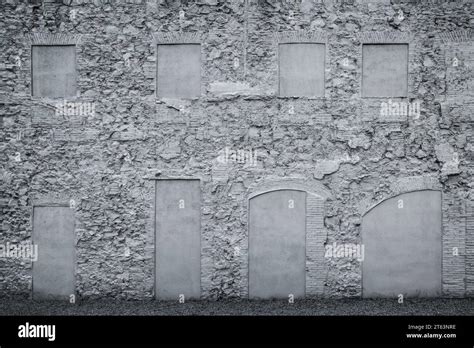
178,239
53,233
277,239
402,239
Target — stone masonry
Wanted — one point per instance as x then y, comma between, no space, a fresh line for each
338,147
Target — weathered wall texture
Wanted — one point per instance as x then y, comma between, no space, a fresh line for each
337,146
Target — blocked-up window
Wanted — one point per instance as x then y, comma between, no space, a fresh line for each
301,68
54,71
385,70
179,71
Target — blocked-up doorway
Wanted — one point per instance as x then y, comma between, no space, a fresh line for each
53,233
178,239
277,240
402,240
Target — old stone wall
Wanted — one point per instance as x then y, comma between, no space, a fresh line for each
104,164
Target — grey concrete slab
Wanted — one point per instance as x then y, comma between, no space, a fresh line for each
179,71
178,239
53,272
301,69
403,246
277,242
54,71
385,70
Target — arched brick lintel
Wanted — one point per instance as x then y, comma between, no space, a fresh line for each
393,196
400,186
311,187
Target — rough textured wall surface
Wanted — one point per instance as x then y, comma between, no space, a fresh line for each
338,145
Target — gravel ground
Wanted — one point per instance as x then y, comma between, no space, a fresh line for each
243,307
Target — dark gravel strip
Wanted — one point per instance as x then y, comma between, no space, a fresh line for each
243,307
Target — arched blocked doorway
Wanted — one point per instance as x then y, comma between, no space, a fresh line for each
277,242
285,253
402,241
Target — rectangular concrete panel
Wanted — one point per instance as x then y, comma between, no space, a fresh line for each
53,233
179,71
301,68
277,242
402,240
385,70
54,71
178,239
